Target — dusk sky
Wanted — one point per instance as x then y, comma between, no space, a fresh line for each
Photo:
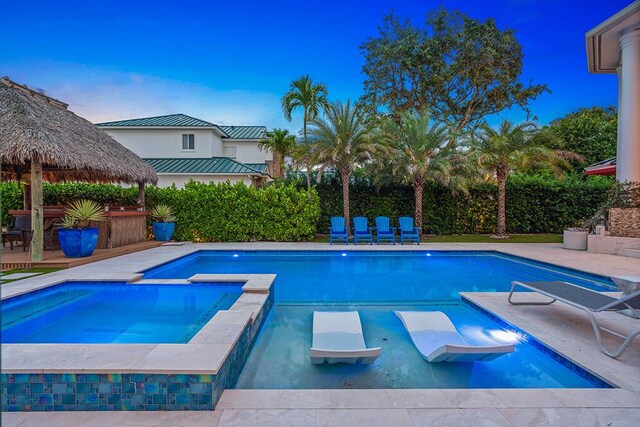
230,62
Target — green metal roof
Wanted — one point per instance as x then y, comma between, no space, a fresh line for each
260,167
173,120
245,132
210,165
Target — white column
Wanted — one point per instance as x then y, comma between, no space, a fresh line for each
628,163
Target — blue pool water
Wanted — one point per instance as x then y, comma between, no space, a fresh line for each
114,312
280,357
375,284
376,276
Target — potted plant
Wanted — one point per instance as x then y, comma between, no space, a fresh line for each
77,238
165,222
576,238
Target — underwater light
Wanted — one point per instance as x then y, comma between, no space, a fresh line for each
428,254
505,336
235,255
344,254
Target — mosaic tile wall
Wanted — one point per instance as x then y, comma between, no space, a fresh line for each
129,392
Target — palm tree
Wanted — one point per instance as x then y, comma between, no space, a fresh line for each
422,151
505,149
343,138
281,143
311,97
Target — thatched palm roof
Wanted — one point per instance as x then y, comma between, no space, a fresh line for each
33,125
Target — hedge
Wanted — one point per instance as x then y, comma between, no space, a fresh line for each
535,204
205,212
225,212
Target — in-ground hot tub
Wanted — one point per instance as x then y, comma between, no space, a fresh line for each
90,346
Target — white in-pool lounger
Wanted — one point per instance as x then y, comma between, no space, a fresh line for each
338,338
438,340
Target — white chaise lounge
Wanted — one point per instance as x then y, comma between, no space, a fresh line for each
438,340
338,338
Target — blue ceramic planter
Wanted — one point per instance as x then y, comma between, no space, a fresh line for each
78,243
163,230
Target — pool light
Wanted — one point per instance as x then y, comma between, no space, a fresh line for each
344,254
235,255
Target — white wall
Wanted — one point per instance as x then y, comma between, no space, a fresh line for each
163,143
180,180
247,151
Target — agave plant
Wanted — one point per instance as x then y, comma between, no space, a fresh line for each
163,213
81,213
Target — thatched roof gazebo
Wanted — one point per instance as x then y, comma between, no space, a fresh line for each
41,140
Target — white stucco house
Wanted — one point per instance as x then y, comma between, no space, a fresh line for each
180,148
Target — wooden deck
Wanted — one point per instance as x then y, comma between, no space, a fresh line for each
16,258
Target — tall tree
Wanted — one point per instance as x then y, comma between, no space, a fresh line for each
510,148
421,151
311,97
591,132
460,68
281,143
344,138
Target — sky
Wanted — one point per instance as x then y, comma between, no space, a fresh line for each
230,62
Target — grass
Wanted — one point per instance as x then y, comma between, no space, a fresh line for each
477,238
39,271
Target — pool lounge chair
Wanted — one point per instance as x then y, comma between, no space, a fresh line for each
438,340
361,230
408,232
384,233
591,302
338,230
338,338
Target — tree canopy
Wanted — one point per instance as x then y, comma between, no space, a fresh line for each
590,132
459,68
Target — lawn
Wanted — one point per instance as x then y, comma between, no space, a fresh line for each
478,238
37,271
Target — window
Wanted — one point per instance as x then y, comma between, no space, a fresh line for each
230,152
188,142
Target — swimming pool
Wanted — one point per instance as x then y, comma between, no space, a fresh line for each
114,312
380,276
375,284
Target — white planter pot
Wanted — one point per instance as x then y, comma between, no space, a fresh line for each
576,240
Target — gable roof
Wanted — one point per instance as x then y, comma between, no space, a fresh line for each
245,132
209,165
170,120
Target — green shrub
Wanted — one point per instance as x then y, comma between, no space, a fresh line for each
204,212
535,204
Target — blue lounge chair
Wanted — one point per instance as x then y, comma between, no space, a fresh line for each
384,233
361,230
408,232
338,230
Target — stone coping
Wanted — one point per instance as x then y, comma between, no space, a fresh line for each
203,354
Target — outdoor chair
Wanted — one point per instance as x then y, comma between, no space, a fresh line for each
338,338
384,233
408,232
591,302
16,231
438,340
361,230
338,230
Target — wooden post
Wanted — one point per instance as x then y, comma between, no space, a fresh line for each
140,199
26,196
37,211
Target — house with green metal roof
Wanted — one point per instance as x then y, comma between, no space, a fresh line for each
181,147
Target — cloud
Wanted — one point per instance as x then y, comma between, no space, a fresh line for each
99,94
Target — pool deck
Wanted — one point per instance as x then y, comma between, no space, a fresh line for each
561,327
